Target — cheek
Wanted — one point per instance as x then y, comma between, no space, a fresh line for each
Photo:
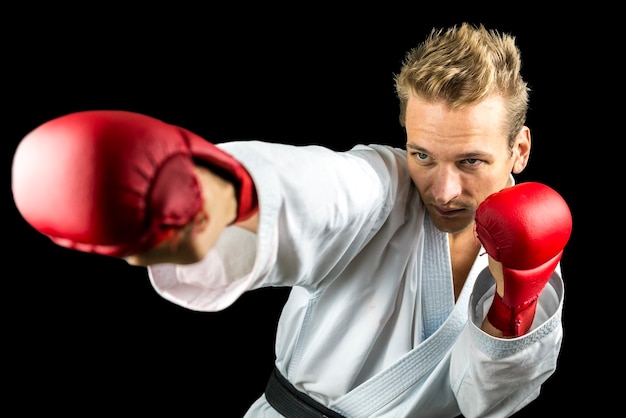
418,175
488,185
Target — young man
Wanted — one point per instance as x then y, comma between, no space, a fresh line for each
424,281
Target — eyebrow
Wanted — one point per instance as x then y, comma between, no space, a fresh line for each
463,156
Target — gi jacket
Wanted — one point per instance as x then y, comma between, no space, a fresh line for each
371,328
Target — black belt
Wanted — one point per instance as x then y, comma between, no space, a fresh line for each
292,403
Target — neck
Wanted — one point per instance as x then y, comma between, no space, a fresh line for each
464,247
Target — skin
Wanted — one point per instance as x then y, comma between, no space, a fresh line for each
456,158
191,243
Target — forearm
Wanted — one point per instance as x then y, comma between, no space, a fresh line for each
525,246
512,369
495,382
251,224
495,269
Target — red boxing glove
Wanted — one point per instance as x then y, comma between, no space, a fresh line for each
116,182
524,227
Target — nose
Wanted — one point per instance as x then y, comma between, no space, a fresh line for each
446,185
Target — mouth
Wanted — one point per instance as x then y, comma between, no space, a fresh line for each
447,212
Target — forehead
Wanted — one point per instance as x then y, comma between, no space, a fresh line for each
433,125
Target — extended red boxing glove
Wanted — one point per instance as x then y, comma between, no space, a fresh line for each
114,182
524,227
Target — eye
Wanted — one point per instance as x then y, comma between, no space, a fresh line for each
472,162
420,156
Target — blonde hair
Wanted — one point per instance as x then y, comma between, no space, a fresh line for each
463,65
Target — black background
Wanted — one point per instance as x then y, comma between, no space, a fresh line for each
84,333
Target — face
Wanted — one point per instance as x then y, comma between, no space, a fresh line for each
457,158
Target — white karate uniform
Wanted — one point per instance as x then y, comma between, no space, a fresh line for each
371,328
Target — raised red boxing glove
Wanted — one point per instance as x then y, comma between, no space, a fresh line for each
114,182
524,227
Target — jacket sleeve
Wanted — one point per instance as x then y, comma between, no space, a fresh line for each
495,377
306,194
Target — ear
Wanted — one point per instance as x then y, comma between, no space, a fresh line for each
521,150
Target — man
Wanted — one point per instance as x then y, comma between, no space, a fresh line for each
424,281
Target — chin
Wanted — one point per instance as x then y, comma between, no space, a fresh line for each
451,225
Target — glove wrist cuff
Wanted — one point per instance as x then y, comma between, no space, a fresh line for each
513,321
247,201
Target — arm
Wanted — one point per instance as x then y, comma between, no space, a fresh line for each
524,230
121,183
220,210
496,271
